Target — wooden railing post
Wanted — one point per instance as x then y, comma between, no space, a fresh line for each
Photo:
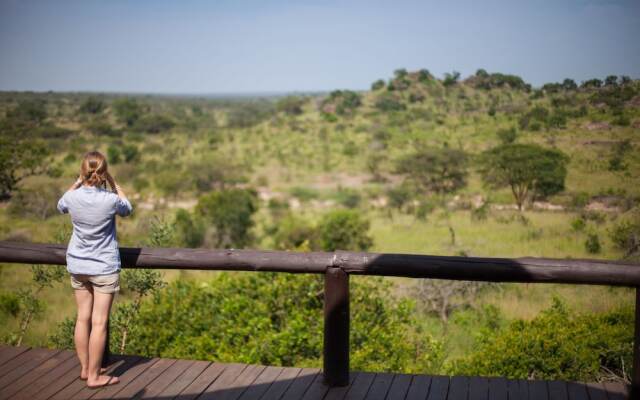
336,327
635,373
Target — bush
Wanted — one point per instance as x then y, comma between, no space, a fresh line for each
546,347
92,105
102,128
128,110
507,135
230,211
38,201
291,105
388,102
377,85
592,244
154,123
189,230
276,319
344,230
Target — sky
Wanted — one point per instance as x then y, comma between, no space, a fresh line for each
236,46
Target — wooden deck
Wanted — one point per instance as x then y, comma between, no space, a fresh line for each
38,373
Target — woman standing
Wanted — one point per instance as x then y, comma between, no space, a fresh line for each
93,260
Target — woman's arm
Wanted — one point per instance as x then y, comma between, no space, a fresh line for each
123,206
114,185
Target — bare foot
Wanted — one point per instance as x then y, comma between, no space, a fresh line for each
83,373
103,380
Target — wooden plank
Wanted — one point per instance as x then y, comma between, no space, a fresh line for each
163,380
577,391
519,388
338,392
242,382
38,356
75,385
9,353
14,387
78,388
53,377
399,386
129,373
21,359
498,389
380,386
616,391
262,383
318,388
478,388
538,390
184,380
360,386
439,388
203,380
557,390
458,388
300,384
224,382
138,384
280,385
596,391
419,388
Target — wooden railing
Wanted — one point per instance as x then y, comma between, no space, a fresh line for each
337,266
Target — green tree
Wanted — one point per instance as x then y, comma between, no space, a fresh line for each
130,152
128,110
230,211
441,171
189,229
92,105
377,85
20,158
451,79
528,169
154,123
344,230
291,105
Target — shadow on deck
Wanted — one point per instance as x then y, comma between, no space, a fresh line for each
39,373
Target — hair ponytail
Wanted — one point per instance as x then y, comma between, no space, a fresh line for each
94,169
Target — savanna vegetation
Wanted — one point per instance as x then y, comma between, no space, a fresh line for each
482,166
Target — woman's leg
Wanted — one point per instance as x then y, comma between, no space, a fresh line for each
99,317
84,300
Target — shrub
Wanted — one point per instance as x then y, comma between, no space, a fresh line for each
92,105
592,244
377,85
230,211
344,230
154,123
388,102
102,128
291,105
546,347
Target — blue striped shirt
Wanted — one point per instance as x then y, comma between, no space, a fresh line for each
93,248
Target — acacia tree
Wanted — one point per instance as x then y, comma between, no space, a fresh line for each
439,171
230,211
528,169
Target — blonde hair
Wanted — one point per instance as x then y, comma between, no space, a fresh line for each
94,169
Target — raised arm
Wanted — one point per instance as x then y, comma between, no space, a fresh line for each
123,206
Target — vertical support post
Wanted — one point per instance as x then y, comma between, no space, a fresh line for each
336,327
107,353
635,373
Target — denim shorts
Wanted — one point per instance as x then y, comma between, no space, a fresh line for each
102,283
